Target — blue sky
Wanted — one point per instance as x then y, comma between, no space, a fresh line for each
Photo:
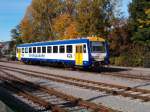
12,12
124,7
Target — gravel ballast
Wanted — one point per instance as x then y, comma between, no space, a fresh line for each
115,102
86,75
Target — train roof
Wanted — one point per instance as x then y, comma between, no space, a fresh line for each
56,42
59,42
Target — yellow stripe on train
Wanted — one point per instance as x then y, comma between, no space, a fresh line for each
96,39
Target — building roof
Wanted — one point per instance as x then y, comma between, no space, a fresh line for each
1,45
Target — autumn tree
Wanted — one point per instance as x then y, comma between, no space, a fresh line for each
37,23
26,26
120,37
93,17
60,23
16,38
140,21
43,13
70,7
71,31
130,41
65,25
53,19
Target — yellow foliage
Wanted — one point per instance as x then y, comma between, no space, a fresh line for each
147,11
95,38
26,29
71,31
60,23
65,27
25,26
143,22
146,21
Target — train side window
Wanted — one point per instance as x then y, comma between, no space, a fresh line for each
69,49
26,50
61,49
49,49
81,49
17,50
30,50
38,49
43,49
77,50
34,49
22,50
55,49
84,48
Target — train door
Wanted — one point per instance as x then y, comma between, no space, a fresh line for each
79,55
19,54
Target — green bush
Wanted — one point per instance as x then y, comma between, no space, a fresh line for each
119,60
112,60
127,60
146,60
136,56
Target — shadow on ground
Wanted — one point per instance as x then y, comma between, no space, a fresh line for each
16,104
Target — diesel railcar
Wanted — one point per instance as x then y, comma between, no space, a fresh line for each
83,52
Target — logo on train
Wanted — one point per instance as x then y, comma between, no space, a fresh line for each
36,55
69,55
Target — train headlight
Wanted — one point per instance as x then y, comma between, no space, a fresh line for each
99,57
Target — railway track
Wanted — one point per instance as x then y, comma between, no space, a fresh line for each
111,89
130,76
43,95
141,77
36,102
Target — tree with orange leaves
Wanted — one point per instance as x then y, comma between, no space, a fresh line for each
71,31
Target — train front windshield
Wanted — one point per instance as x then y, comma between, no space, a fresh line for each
98,47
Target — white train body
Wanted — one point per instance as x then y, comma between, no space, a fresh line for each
77,52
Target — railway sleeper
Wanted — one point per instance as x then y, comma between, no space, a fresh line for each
98,88
98,83
81,102
35,99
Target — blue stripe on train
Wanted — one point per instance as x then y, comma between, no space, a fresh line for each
70,62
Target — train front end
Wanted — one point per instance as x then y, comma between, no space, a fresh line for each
99,51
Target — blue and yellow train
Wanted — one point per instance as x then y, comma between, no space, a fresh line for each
83,52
